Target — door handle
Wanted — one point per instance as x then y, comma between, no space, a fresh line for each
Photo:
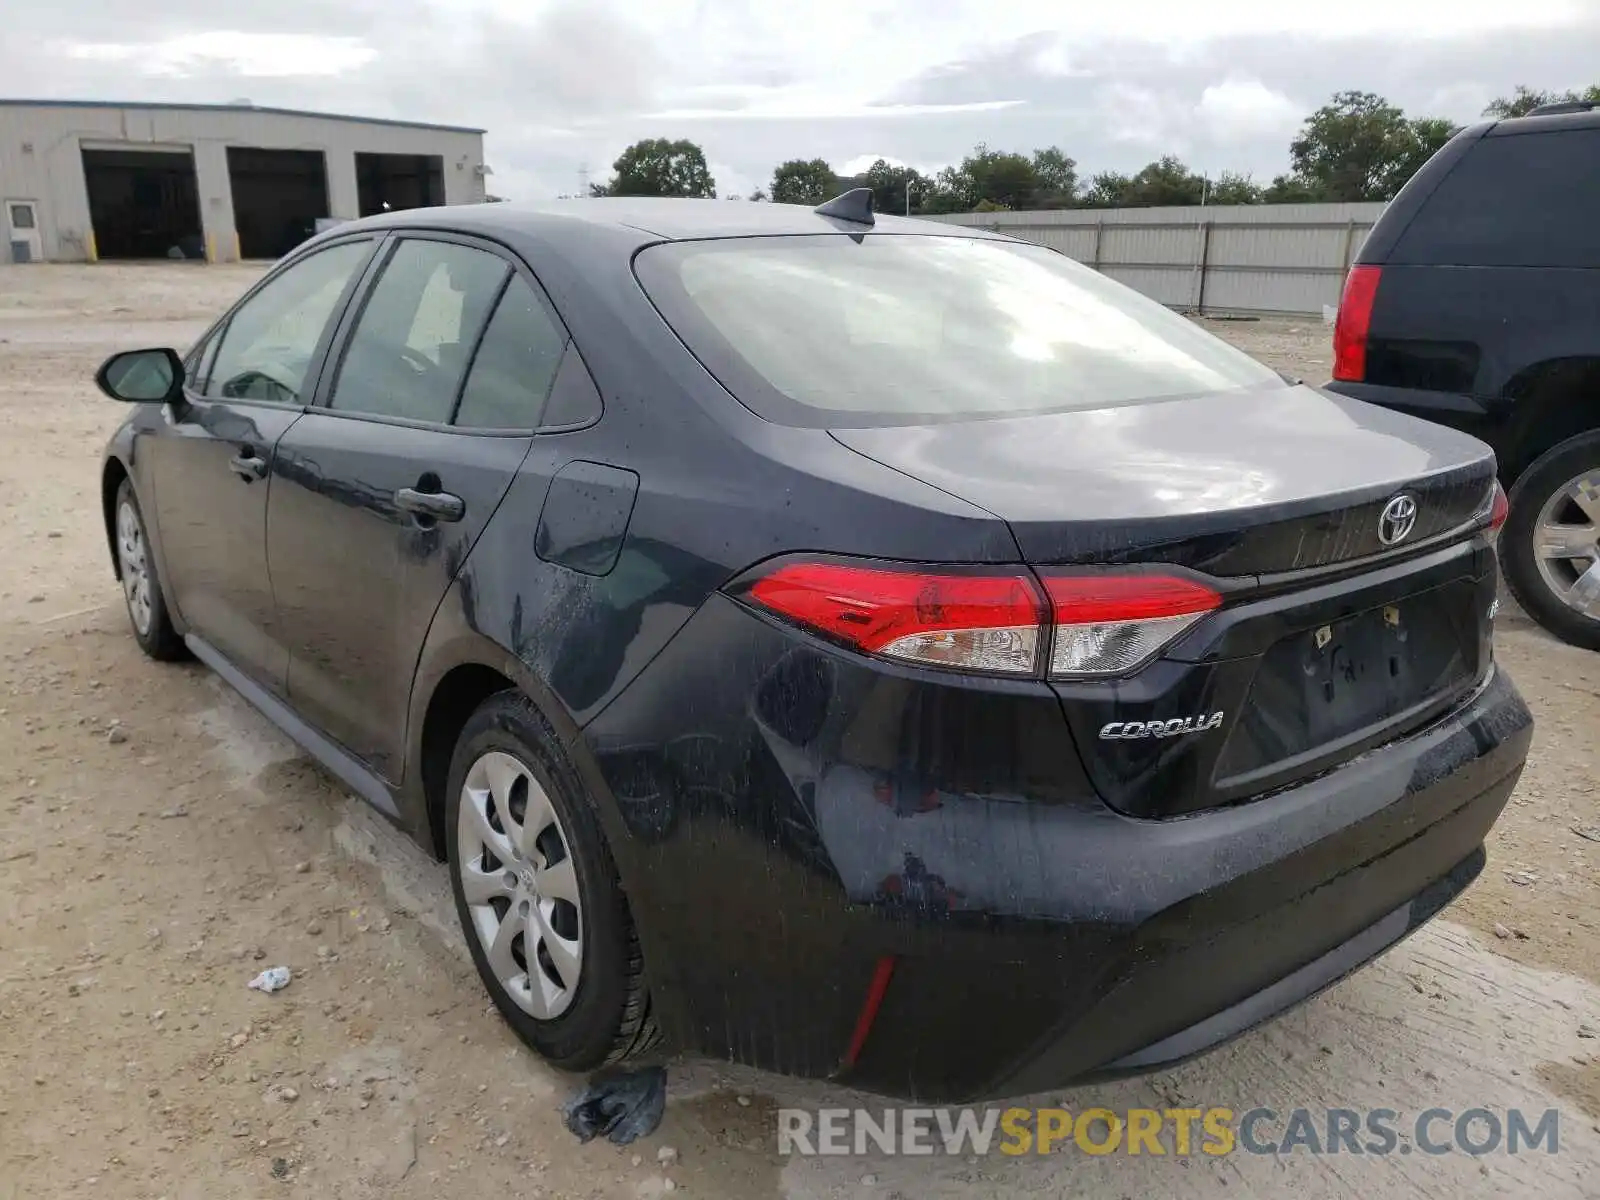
247,466
439,506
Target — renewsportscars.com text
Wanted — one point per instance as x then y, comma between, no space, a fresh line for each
1170,1131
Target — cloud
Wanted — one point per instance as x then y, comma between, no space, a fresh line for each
821,108
859,164
731,181
248,55
564,84
1143,116
1239,109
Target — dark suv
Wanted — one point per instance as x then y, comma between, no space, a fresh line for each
1476,302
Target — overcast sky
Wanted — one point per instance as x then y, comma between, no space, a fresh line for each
564,85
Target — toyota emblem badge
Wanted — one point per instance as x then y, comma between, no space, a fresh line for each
1399,517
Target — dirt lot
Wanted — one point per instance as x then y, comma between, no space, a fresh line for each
160,844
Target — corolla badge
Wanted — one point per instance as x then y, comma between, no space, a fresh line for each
1176,727
1398,518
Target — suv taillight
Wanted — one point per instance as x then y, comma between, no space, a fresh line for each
1354,322
996,622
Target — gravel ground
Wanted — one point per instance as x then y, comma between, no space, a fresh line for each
160,844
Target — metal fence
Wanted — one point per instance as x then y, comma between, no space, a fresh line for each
1251,258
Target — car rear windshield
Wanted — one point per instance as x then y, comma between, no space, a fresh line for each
883,329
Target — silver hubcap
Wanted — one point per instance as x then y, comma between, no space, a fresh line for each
1566,544
520,885
133,558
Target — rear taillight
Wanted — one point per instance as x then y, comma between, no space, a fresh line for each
1499,509
1097,623
1354,323
971,622
1110,624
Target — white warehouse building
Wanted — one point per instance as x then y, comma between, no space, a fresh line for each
85,180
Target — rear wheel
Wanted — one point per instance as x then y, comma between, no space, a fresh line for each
537,893
141,584
1550,546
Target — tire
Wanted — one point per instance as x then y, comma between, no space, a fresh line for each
1541,583
142,593
512,762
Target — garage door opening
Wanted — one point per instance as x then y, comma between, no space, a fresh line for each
144,203
278,195
389,182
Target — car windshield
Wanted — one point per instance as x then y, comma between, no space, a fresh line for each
892,329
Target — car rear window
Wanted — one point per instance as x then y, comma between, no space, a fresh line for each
1516,200
839,330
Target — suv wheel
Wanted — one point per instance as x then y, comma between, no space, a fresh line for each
1550,546
141,585
537,893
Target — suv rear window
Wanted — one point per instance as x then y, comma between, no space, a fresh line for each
1516,200
837,330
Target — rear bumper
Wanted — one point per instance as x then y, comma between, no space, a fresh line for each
1306,981
1250,910
1036,936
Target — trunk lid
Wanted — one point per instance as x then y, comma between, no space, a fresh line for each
1335,635
1240,483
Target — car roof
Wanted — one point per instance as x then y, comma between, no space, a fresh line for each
1551,122
652,218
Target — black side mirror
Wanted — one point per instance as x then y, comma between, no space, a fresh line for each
142,376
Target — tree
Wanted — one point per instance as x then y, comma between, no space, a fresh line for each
1231,188
658,167
890,184
757,195
1526,99
1290,189
1164,182
1057,178
950,191
1008,180
1106,190
1356,147
1005,180
1361,147
804,182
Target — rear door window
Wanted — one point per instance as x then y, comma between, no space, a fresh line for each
408,353
515,364
1517,200
833,330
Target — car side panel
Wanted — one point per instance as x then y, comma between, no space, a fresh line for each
698,520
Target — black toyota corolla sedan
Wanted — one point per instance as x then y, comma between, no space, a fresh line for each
860,648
